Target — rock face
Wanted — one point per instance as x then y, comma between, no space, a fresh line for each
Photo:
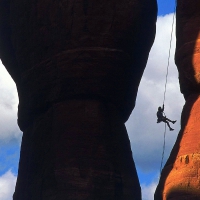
180,178
77,66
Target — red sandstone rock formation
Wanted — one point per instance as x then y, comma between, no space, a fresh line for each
77,66
180,178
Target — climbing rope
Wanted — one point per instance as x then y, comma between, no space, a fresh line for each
169,54
163,152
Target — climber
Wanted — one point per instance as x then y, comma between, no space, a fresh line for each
162,118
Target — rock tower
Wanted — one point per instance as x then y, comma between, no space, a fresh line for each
77,65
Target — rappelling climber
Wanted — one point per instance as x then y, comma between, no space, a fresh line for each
162,118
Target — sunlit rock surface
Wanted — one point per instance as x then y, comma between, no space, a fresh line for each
77,66
180,178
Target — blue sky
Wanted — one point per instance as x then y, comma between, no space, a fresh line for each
165,6
145,135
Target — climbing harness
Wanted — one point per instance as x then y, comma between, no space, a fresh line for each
166,84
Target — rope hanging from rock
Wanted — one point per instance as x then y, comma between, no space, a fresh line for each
169,56
163,152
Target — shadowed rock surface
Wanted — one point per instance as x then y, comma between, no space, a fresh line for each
77,65
180,178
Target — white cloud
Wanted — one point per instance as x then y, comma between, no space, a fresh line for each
7,185
148,191
145,134
9,130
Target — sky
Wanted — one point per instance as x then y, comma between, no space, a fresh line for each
146,136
